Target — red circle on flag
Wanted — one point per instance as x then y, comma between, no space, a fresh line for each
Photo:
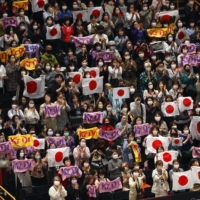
156,143
58,156
53,32
40,3
183,180
167,157
31,87
176,141
79,15
169,109
198,127
92,85
199,174
120,93
93,73
181,35
187,102
77,78
96,13
36,143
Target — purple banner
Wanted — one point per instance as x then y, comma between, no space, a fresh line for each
5,147
141,130
9,21
92,191
109,135
23,165
92,118
191,48
32,50
106,56
110,186
196,152
67,172
51,111
27,151
58,141
78,41
193,60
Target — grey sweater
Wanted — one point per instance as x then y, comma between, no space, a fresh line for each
113,171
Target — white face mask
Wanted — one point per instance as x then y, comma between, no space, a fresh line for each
148,68
172,7
145,8
136,167
159,167
150,87
56,183
115,156
175,86
187,42
5,15
167,58
176,166
35,27
75,6
87,76
125,109
100,63
150,103
127,57
64,7
48,68
31,105
153,57
170,39
191,2
101,177
153,24
136,174
86,164
141,55
84,63
83,144
21,154
185,51
109,109
165,25
180,24
160,69
132,90
186,131
14,106
174,127
72,68
157,119
173,66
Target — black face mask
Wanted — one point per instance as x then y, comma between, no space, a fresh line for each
107,124
49,51
187,70
100,32
38,71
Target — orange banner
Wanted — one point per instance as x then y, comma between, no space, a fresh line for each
16,51
19,4
3,56
29,63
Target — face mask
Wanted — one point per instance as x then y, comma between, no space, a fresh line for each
50,9
153,57
145,8
49,21
185,51
170,39
157,119
98,48
83,144
136,174
141,55
148,69
14,106
14,45
21,13
84,64
49,52
123,120
74,182
197,109
115,156
159,167
191,2
129,45
153,24
109,109
21,154
132,90
117,12
172,7
35,27
22,27
180,24
48,68
167,58
127,57
23,72
160,69
66,134
186,131
138,101
87,76
91,5
139,122
187,70
174,127
197,77
50,132
173,66
37,157
136,167
100,106
176,166
86,164
1,121
150,87
64,7
112,48
75,6
57,135
150,103
131,9
100,63
16,121
175,86
125,109
72,68
31,105
11,32
165,25
56,183
1,140
5,15
101,177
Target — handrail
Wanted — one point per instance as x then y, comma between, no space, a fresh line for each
2,198
177,4
7,193
197,2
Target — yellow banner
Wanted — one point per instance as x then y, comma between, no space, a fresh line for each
136,151
29,63
16,51
3,56
21,141
91,133
19,4
161,32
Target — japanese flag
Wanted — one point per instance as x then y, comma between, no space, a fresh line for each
168,156
196,174
96,11
38,5
82,14
77,77
55,156
34,88
121,93
182,180
53,32
178,142
195,127
39,143
153,142
170,109
185,103
181,35
92,85
94,72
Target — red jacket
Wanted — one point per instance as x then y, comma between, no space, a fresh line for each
67,32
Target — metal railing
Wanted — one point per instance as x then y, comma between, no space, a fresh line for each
6,193
197,2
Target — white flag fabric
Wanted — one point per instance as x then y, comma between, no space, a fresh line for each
39,143
109,9
185,103
96,11
167,156
182,33
195,127
94,72
124,10
178,142
153,142
92,85
182,180
121,93
82,14
170,109
166,14
34,88
55,156
196,174
77,77
38,5
53,32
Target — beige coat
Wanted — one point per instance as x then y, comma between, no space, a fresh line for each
132,184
